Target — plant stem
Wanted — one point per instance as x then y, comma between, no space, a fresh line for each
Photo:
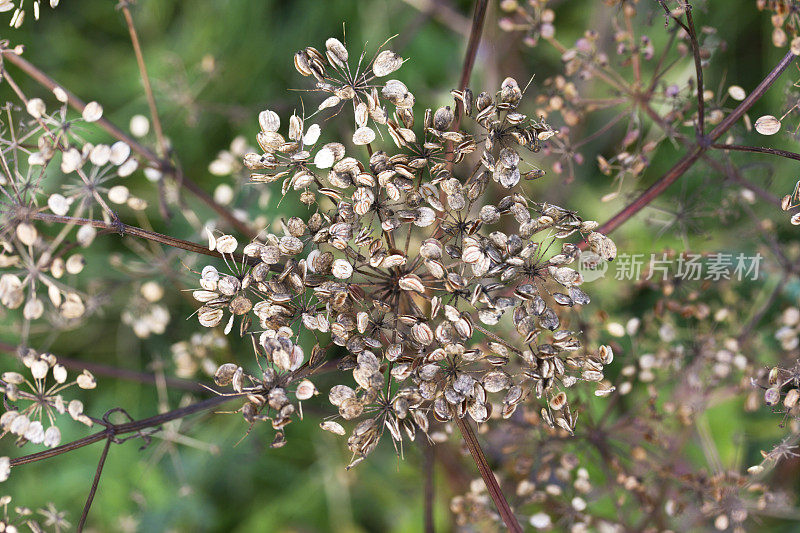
488,476
689,159
429,493
690,30
95,483
757,149
125,229
114,430
466,431
733,174
758,315
469,58
148,90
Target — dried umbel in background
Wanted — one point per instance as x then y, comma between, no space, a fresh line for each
419,274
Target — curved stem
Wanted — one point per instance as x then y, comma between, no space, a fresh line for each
95,482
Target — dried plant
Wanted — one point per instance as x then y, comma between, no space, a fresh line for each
419,272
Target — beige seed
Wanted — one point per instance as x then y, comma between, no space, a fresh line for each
558,401
92,112
386,62
342,269
36,107
411,282
767,125
363,136
737,93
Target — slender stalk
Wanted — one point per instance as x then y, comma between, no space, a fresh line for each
76,103
148,90
468,435
652,192
166,166
114,430
689,159
689,28
126,229
472,51
488,476
758,315
757,149
95,483
429,493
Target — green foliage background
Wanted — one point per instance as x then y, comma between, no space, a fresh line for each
304,486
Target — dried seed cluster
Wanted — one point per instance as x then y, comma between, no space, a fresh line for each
407,262
44,401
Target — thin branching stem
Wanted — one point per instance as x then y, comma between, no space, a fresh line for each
733,174
751,324
689,28
472,52
686,162
429,493
115,430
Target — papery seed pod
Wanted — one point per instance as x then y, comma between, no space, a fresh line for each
411,282
443,118
767,125
602,246
301,63
229,285
336,53
772,396
496,380
305,390
791,398
209,317
385,63
363,135
510,93
342,269
558,401
774,375
397,93
269,121
422,333
224,374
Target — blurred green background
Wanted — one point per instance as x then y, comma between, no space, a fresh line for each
214,66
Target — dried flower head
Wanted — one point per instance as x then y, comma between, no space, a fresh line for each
44,401
409,263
